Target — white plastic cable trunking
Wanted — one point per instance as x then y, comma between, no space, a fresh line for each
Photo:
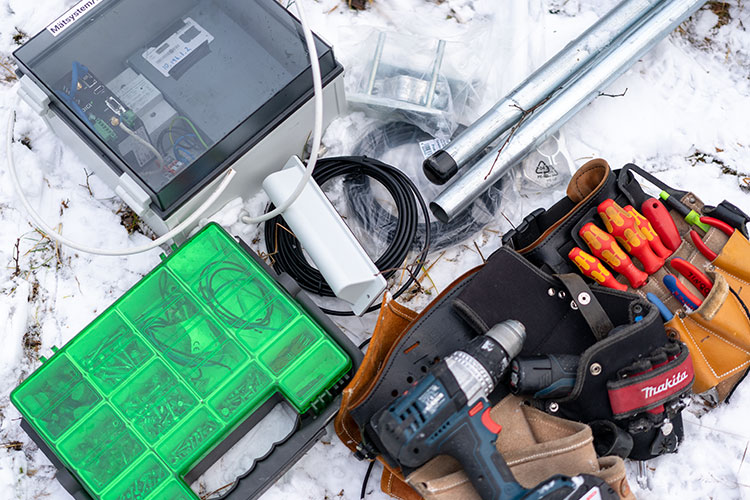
337,254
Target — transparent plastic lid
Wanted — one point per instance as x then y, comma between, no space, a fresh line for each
171,91
166,373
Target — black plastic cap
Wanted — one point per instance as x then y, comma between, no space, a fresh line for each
439,167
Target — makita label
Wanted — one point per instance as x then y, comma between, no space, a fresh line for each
66,20
651,391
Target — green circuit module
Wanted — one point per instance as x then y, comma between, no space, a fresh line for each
166,373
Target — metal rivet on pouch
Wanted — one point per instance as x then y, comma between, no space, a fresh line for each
667,428
584,298
561,294
595,369
551,292
553,407
692,199
573,305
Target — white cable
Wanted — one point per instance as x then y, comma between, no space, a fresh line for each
317,129
144,142
48,231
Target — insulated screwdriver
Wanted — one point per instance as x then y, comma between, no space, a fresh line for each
604,246
658,215
666,314
593,268
647,231
622,226
691,216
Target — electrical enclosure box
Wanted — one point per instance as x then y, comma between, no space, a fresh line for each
160,98
156,388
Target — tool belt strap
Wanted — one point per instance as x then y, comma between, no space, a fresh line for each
652,389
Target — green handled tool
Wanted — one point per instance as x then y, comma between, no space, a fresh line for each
691,216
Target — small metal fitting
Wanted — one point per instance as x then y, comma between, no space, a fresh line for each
667,428
561,294
584,298
551,292
553,407
595,369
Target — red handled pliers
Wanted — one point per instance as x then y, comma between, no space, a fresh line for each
698,242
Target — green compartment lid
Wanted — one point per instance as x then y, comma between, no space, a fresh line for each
168,371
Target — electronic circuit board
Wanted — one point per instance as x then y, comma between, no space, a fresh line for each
98,107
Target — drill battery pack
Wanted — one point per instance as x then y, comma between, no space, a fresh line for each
158,387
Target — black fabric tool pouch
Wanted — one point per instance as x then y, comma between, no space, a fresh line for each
632,381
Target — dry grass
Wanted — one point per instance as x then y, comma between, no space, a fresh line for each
358,4
7,70
703,158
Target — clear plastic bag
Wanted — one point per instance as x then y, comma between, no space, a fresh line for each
421,80
546,168
539,180
369,209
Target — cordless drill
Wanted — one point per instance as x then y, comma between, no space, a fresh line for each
448,413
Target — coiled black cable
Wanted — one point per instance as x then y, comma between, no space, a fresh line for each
287,252
368,211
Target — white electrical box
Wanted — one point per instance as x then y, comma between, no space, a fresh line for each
160,98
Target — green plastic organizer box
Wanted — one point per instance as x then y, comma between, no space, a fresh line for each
178,365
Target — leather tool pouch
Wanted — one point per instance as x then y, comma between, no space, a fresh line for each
600,327
718,332
536,446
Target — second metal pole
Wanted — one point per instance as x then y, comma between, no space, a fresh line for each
549,118
546,80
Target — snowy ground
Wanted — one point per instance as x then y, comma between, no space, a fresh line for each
685,115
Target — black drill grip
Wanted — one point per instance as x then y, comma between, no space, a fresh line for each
544,377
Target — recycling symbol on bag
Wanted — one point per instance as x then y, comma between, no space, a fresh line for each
545,171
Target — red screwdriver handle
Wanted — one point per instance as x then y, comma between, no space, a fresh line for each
604,246
593,268
647,231
658,215
622,226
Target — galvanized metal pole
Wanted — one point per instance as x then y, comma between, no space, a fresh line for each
445,163
550,117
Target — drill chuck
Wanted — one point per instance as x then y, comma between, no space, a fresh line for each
479,367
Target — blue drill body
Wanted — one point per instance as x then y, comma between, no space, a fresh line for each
447,413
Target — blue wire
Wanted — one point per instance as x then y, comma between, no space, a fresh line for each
178,149
177,142
69,99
